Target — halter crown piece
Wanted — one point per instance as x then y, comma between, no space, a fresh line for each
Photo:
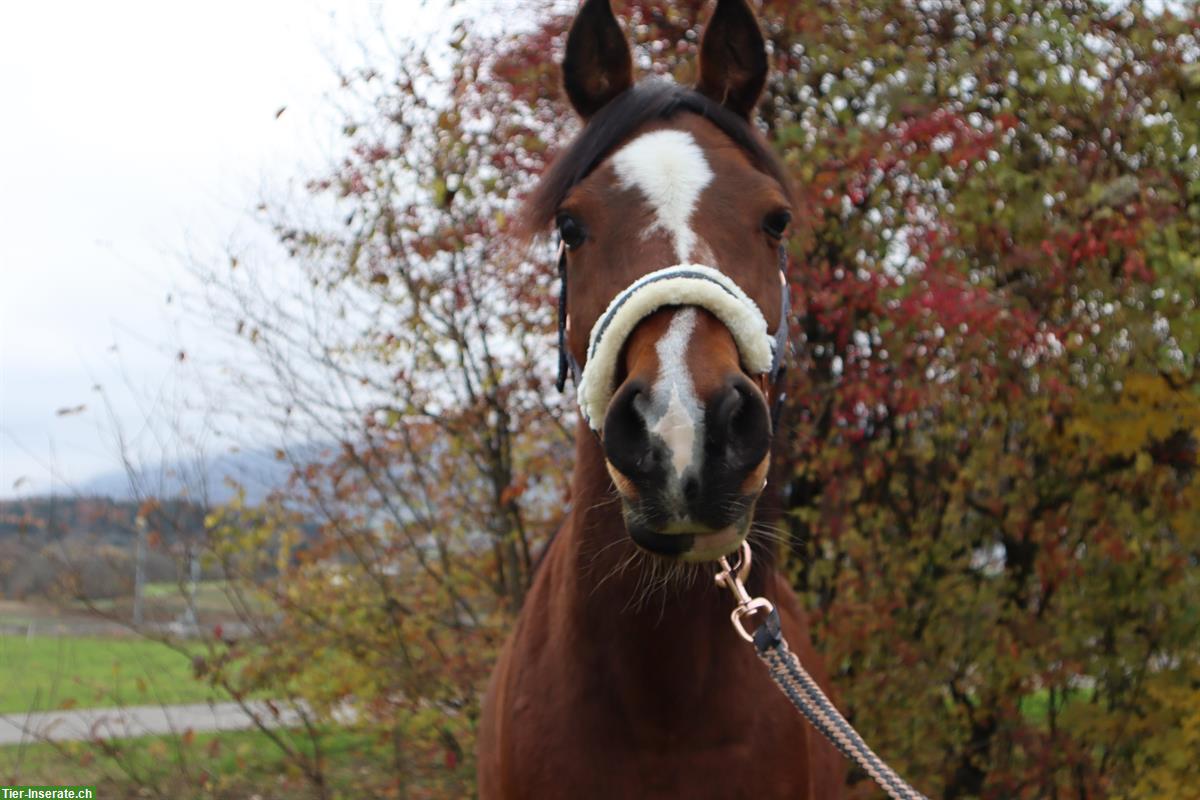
679,285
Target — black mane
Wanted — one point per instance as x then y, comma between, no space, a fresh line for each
613,124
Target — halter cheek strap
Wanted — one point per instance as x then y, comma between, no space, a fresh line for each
566,361
682,284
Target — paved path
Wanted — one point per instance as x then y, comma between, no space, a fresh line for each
122,723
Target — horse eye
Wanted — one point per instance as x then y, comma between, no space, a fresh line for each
776,223
571,231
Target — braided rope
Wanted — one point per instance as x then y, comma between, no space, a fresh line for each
806,695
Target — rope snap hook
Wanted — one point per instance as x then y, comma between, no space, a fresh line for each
733,578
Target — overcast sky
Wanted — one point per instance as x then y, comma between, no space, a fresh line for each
135,130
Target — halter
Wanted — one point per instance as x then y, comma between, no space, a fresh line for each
681,284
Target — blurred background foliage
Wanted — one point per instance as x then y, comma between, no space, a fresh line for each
990,443
989,452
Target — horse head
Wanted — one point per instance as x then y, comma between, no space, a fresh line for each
671,211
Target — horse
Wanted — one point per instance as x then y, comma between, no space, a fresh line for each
622,677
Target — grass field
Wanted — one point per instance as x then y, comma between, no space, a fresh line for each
43,672
239,764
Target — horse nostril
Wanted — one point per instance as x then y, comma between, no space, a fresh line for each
729,408
741,426
626,443
691,489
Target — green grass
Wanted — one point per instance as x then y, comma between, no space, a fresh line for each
231,764
46,672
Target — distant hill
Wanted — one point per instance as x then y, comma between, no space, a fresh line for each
258,472
42,520
89,533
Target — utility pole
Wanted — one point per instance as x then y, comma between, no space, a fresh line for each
193,585
188,623
139,569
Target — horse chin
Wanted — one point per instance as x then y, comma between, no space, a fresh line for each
690,542
711,546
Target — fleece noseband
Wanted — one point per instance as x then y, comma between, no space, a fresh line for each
680,285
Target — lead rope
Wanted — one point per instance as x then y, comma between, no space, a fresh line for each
798,685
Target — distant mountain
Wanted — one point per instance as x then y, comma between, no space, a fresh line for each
258,471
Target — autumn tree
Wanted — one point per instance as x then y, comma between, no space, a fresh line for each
404,359
995,403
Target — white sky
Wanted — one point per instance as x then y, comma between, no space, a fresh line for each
131,130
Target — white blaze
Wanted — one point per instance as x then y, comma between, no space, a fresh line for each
677,418
670,170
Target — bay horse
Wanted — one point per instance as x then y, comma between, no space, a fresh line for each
671,211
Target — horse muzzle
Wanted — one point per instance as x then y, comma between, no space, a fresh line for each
688,485
687,432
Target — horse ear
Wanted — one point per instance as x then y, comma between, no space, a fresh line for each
733,58
597,66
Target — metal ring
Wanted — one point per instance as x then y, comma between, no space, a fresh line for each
753,607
